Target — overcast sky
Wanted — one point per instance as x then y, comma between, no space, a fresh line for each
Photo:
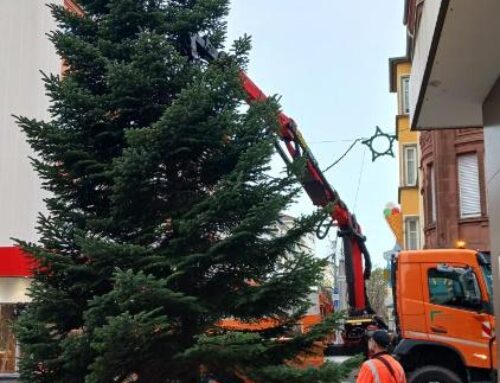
328,60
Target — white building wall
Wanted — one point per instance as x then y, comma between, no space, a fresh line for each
491,116
14,290
423,43
342,285
25,50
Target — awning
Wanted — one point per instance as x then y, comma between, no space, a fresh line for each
15,263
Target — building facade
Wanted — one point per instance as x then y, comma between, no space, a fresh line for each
455,82
442,189
454,189
340,285
23,26
409,197
307,242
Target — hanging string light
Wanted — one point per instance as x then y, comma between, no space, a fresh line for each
370,143
379,135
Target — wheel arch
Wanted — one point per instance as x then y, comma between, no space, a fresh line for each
413,354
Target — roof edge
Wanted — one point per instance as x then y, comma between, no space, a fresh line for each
393,63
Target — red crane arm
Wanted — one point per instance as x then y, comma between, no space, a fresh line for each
290,134
291,145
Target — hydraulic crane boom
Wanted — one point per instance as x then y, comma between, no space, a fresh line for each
291,146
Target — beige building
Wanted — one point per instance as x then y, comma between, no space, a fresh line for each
25,51
410,180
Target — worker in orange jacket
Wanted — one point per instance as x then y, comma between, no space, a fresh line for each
381,367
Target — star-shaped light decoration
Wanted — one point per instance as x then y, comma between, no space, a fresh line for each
379,135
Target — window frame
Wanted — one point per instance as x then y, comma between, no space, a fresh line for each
408,148
404,94
407,219
478,213
456,307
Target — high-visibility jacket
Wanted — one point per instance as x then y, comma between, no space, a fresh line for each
382,368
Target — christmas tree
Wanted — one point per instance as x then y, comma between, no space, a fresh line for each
162,210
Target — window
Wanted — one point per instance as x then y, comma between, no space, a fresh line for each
8,344
432,191
412,237
410,165
405,95
488,277
468,185
454,286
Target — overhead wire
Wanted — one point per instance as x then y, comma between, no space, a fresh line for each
332,141
343,155
359,180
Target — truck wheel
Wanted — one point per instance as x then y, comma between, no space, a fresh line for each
433,374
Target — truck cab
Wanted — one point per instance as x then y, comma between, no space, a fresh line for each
444,312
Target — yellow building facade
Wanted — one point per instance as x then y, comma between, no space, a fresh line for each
409,196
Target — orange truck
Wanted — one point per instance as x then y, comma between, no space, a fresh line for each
321,306
444,315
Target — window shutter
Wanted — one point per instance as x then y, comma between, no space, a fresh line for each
468,182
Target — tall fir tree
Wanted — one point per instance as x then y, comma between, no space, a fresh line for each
162,211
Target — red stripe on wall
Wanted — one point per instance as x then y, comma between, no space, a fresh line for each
15,263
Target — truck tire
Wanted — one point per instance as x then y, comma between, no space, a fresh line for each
433,374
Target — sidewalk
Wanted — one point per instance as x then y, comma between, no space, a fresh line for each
340,359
